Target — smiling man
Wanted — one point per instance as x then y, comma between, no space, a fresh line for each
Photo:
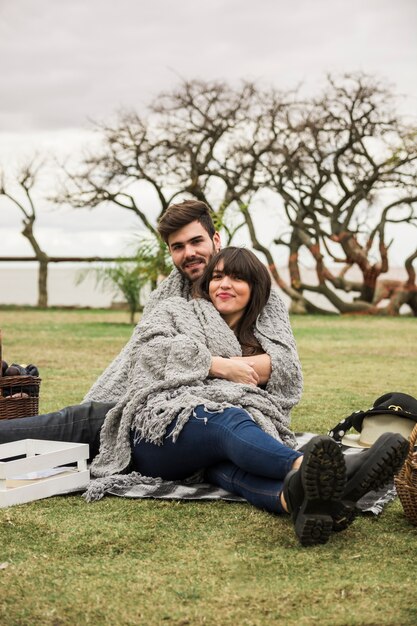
191,245
189,232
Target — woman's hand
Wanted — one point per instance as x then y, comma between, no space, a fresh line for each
237,370
261,363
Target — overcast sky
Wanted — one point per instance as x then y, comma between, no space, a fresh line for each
65,61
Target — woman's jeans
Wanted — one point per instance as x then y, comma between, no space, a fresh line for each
234,451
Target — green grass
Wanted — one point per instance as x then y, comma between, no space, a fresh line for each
118,562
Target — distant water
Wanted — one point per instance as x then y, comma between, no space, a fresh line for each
18,285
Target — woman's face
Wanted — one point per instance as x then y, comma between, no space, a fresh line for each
229,295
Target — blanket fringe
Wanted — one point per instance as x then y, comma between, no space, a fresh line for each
98,488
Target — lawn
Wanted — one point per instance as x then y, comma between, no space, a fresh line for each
120,562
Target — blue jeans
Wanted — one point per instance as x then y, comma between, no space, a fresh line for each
234,451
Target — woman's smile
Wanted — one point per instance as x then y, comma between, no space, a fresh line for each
229,294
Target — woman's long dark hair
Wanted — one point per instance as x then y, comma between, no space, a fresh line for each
241,263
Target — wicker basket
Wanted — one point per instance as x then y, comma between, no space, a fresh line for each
19,387
406,482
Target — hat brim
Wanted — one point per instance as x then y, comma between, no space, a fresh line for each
353,441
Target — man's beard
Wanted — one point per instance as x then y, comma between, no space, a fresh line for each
198,259
190,276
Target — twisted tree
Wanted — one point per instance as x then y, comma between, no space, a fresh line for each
18,188
345,168
339,169
173,151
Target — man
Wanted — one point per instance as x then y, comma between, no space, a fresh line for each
188,230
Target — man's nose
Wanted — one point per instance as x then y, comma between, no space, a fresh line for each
189,251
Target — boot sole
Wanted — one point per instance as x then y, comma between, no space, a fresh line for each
323,476
379,468
343,515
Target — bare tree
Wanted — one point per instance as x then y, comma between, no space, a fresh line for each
20,193
175,150
341,168
345,168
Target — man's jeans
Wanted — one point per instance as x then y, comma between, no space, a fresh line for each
234,451
80,423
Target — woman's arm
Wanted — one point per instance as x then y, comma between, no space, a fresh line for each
236,369
260,363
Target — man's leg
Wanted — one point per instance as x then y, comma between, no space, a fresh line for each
80,423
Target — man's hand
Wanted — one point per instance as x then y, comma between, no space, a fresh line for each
236,369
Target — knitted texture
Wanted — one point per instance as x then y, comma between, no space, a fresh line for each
112,384
167,369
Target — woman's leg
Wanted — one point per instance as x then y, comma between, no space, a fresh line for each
255,467
264,493
312,494
210,438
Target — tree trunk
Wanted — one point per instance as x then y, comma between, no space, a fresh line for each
43,260
43,283
400,292
370,277
358,255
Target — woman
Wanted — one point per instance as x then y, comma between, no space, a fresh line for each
176,420
179,421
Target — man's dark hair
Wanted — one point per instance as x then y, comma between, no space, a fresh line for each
179,215
243,264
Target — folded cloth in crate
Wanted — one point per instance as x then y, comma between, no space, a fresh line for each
135,485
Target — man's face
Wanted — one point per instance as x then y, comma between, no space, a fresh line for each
191,249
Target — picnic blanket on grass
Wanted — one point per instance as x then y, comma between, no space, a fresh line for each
134,486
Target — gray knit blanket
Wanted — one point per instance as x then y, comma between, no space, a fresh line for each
166,369
273,323
112,384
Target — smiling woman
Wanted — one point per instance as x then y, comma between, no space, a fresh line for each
229,294
239,286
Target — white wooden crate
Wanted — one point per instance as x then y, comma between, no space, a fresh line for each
17,484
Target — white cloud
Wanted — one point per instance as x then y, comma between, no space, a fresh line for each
65,62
